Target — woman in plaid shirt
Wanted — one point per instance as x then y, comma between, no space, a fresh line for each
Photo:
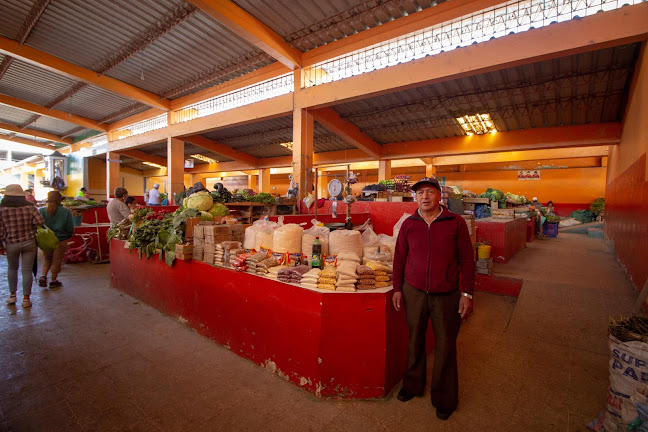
18,219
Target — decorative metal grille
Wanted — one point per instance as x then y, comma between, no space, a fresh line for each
511,17
254,93
144,126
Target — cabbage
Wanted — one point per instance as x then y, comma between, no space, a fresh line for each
201,201
205,216
219,209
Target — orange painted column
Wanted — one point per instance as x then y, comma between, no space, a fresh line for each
253,182
384,170
302,160
430,170
264,180
175,167
113,179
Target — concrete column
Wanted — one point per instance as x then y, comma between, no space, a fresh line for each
175,167
264,180
384,170
430,170
253,182
303,124
113,178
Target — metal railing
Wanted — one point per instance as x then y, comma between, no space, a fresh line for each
237,98
495,22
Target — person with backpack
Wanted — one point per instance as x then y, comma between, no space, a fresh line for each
18,220
58,219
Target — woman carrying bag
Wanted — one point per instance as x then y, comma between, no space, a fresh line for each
18,218
58,219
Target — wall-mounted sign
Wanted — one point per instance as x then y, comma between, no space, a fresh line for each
441,181
529,175
189,163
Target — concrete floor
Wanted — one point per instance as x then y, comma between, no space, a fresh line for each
89,358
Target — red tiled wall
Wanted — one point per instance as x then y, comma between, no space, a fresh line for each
626,219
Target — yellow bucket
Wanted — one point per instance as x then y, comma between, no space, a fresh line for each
483,251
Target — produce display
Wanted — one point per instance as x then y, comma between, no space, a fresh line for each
492,194
598,206
71,202
515,199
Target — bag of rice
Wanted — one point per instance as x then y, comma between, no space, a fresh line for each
287,239
345,241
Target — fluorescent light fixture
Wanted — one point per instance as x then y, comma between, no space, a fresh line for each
477,124
288,145
153,164
203,158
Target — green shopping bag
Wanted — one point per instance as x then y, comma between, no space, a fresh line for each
46,239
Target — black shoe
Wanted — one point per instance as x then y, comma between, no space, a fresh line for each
405,395
444,414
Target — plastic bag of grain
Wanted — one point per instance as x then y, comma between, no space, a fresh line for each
398,224
369,237
250,239
345,241
309,236
287,239
264,239
387,243
380,255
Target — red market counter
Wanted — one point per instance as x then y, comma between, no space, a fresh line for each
507,236
332,344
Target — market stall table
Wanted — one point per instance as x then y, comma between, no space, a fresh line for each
507,236
335,344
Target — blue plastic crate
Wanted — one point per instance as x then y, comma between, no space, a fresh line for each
550,229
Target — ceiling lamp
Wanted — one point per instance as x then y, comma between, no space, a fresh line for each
478,124
153,164
203,158
288,145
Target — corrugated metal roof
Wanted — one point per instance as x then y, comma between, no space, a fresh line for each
84,103
33,84
55,126
196,45
580,89
310,24
13,15
13,116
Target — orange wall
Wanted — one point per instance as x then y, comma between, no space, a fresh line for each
626,199
571,185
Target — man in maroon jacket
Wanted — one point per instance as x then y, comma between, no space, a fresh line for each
434,276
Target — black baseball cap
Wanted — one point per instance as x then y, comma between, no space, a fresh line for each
426,181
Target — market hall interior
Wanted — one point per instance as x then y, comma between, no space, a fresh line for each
89,358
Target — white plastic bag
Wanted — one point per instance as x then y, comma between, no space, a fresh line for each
398,225
345,241
287,239
388,243
264,238
369,237
308,237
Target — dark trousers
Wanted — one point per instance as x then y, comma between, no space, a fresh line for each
443,310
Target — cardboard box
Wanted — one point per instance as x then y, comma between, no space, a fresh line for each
485,263
185,256
208,258
485,271
199,231
469,206
197,254
184,248
503,213
189,227
209,249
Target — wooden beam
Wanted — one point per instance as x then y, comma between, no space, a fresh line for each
222,149
59,115
152,137
626,25
251,29
28,142
35,133
146,115
525,139
384,170
525,155
138,154
330,119
70,70
429,17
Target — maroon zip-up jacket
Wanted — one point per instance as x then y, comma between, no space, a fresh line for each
434,258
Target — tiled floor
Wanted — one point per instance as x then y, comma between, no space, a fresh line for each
89,358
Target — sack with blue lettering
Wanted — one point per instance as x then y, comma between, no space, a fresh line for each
628,372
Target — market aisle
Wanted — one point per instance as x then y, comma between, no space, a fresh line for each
88,357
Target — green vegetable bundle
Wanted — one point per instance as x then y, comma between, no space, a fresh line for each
492,194
598,206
